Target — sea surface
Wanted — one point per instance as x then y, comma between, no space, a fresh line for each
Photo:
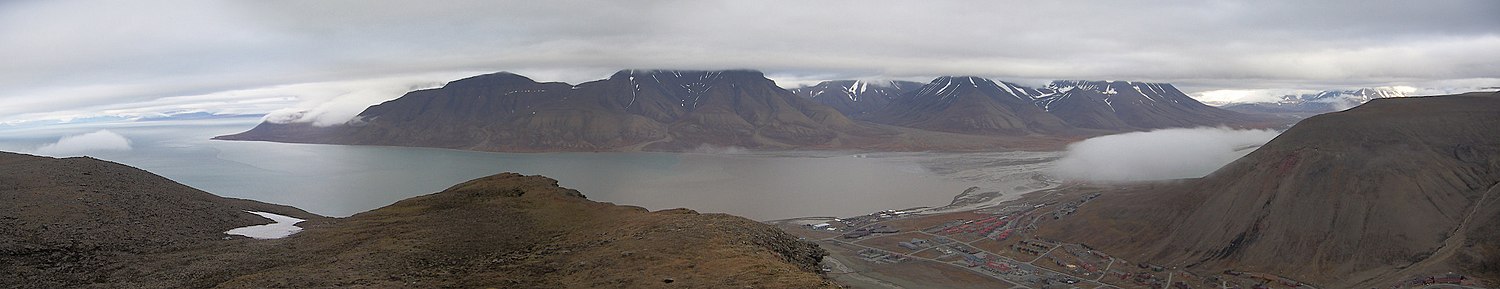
339,180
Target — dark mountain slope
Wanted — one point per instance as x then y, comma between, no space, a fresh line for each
856,98
1360,198
1128,105
970,105
661,110
656,110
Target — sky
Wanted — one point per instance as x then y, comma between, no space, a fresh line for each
324,61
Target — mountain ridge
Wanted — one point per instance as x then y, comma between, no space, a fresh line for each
687,110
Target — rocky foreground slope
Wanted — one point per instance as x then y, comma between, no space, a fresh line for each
81,222
1361,198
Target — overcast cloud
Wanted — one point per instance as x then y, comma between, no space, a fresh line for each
80,58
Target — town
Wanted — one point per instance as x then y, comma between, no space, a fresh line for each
995,247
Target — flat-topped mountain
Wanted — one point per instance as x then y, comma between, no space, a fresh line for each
81,222
1360,198
665,110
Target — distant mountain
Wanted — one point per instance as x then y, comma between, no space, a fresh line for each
1128,105
855,98
672,110
977,105
970,105
79,222
654,110
1316,103
1362,198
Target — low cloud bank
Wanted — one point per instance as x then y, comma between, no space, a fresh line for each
76,145
1158,155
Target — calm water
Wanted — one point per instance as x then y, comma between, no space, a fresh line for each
342,180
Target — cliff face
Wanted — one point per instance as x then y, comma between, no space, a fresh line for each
1387,190
502,231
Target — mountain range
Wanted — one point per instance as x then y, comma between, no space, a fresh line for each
856,98
675,110
1304,105
1394,188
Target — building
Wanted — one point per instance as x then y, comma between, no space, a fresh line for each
884,230
1449,278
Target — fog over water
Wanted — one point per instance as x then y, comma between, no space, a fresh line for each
1163,154
341,180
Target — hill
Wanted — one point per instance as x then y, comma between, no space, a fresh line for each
1361,198
87,223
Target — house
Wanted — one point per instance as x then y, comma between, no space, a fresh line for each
1449,278
973,260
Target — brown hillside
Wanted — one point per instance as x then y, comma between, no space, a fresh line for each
82,222
1391,189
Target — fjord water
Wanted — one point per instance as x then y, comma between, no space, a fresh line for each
339,180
